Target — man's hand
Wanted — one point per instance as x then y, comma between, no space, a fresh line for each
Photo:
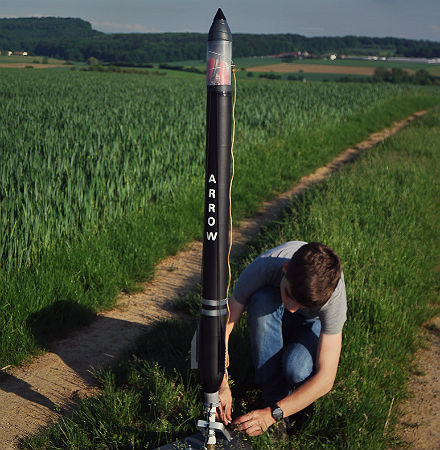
255,422
225,408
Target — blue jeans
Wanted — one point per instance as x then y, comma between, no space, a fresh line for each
284,345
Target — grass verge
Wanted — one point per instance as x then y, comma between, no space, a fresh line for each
380,214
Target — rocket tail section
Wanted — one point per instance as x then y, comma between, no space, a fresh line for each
212,352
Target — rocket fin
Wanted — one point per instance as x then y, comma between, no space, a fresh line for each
194,351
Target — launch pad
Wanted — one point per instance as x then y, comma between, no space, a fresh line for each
197,442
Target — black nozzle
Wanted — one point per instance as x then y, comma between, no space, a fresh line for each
219,30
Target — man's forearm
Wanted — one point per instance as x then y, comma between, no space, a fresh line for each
235,310
305,395
329,350
317,386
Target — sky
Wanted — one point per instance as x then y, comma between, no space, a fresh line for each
412,19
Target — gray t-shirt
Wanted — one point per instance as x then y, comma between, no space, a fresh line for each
267,270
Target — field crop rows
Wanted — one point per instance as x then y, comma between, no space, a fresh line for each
78,151
101,175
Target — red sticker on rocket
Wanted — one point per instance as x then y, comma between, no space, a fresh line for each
218,72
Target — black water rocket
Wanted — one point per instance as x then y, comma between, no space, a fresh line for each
211,332
216,225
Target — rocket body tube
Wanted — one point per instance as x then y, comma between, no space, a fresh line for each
211,342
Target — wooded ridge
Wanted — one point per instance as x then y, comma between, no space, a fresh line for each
74,39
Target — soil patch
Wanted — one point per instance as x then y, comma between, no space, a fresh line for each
36,394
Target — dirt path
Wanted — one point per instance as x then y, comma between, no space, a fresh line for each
419,424
33,396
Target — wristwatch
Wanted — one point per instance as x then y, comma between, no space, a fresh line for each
277,412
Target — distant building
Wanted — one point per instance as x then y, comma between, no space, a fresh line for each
332,57
21,53
9,53
286,55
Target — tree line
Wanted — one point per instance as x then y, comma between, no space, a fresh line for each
74,39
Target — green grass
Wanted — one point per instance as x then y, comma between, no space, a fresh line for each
301,76
4,59
381,215
159,72
96,188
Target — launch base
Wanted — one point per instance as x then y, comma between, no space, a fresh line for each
197,442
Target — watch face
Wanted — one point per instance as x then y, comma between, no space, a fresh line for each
277,413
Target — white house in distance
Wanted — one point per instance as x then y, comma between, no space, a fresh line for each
9,53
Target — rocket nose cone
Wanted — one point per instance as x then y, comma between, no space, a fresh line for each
219,15
219,29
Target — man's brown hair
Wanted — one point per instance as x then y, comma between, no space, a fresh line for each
313,274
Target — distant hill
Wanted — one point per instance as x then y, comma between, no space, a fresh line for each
60,35
74,39
15,33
